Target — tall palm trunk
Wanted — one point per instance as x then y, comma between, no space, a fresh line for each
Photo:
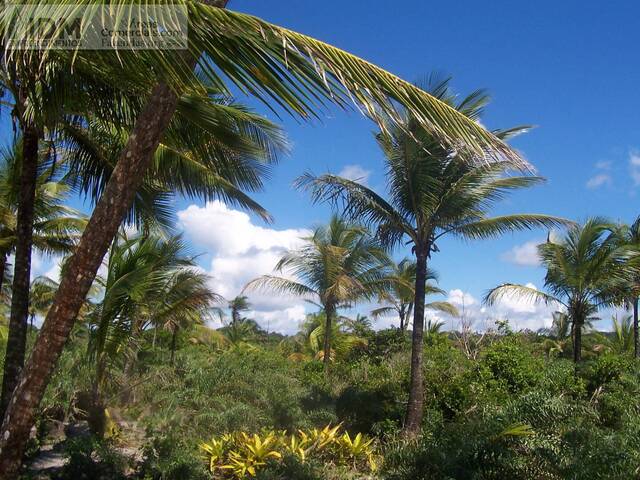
329,313
415,406
577,341
402,315
81,270
17,339
636,334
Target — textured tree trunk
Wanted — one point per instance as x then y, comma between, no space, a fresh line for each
3,267
329,312
80,273
636,334
577,342
18,320
402,315
415,406
81,269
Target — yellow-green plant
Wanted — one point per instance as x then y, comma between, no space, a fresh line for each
260,449
240,454
297,445
216,450
357,449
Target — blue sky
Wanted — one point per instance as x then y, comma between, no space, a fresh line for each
568,67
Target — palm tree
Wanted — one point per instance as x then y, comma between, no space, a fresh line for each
276,65
585,271
360,325
623,334
238,305
630,235
149,281
561,332
435,191
55,230
43,289
308,343
401,294
340,264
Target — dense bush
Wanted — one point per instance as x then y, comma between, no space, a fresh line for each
511,413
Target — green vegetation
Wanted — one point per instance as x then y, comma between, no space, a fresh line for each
513,412
126,376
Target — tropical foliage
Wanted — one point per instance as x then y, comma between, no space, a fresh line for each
339,265
434,191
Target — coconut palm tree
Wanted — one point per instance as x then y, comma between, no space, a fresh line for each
43,289
55,230
401,294
623,334
585,271
308,343
278,66
238,305
339,265
434,191
630,235
150,281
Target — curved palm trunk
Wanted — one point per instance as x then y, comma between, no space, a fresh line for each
81,270
402,315
330,313
415,406
18,321
636,334
80,273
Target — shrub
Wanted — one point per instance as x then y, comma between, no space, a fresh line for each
240,455
510,366
89,458
168,457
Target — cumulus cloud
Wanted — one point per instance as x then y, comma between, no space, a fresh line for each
461,299
521,313
241,251
356,173
524,255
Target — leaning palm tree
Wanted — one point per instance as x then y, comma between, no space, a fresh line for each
340,264
278,66
401,294
434,191
585,272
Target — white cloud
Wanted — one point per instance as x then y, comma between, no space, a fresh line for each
242,251
634,166
521,313
356,173
524,255
599,180
461,299
604,165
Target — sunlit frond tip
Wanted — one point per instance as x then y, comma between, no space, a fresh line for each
520,292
